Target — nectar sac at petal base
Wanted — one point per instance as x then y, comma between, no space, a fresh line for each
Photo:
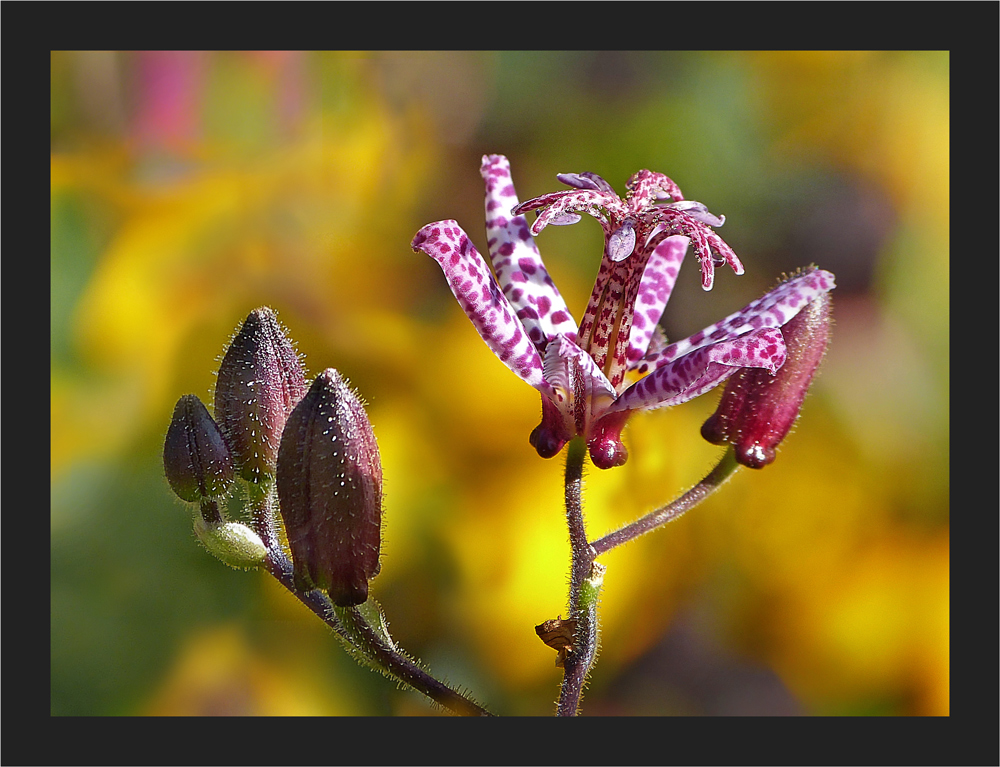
583,371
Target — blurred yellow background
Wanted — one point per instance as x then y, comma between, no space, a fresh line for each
189,188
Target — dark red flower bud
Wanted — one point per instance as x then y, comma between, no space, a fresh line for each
330,491
196,459
757,409
260,381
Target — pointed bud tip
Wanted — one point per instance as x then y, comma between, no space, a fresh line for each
260,380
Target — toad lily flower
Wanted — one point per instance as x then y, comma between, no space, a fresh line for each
580,370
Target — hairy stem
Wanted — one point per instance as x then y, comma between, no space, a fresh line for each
712,482
349,623
263,502
584,587
374,645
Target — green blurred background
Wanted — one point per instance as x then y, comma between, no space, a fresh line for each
189,188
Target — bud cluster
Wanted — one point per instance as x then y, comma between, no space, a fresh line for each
312,446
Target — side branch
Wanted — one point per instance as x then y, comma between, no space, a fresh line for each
712,482
351,625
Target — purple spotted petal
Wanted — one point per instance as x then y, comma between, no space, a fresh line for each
646,186
772,310
657,283
711,249
553,208
480,297
516,261
575,392
694,374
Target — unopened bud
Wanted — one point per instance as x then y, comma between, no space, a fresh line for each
757,410
330,491
232,542
196,459
260,381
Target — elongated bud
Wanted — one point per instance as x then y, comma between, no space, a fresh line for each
757,409
196,459
260,381
330,491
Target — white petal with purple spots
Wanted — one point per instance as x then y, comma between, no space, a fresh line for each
481,298
773,310
694,374
657,284
516,261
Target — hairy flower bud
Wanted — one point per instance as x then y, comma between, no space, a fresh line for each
330,491
231,542
260,381
196,459
757,409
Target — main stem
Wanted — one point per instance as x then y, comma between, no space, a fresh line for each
582,595
586,574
